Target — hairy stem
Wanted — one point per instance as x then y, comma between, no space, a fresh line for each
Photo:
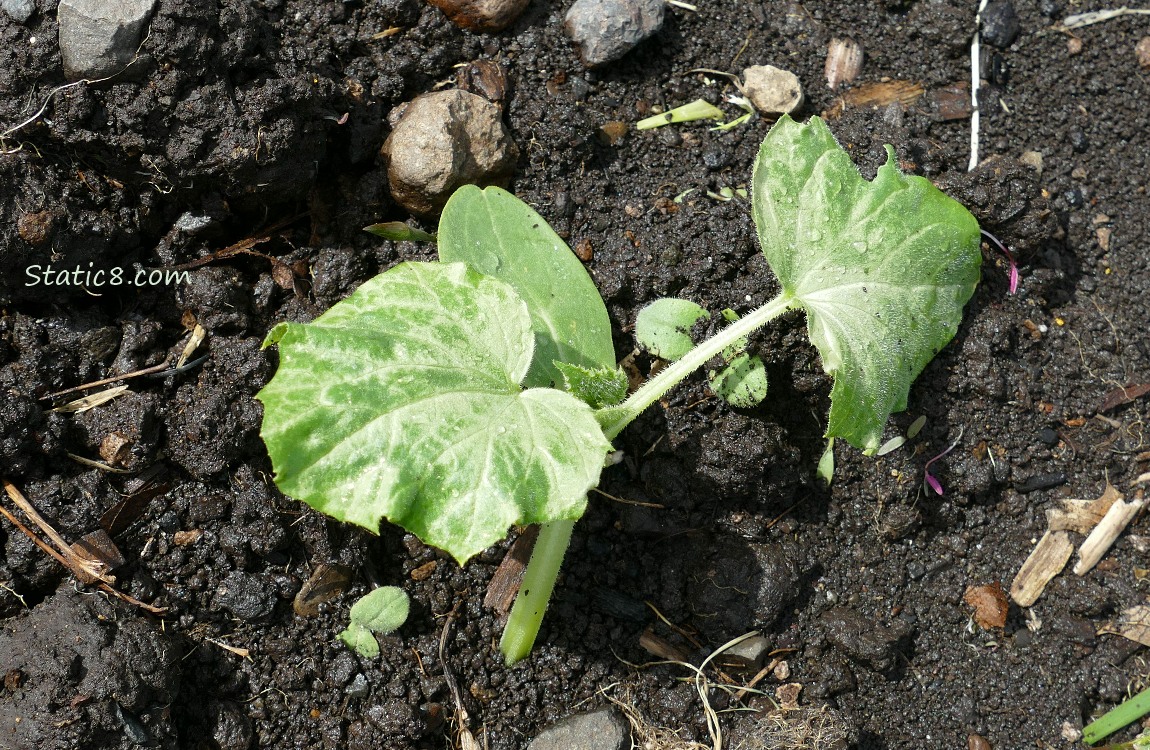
615,418
535,591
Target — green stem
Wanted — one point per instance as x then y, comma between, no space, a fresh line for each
535,591
551,545
1125,714
615,418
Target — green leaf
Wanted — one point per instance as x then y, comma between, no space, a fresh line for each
742,383
361,640
598,388
826,468
397,231
664,327
501,236
382,610
403,402
882,268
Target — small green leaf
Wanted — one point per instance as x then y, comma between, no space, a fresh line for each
881,268
398,231
598,388
382,610
664,327
361,640
742,383
501,236
403,402
826,468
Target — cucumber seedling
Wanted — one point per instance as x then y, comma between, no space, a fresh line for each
461,397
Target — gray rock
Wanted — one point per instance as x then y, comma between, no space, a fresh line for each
603,729
98,38
605,30
1000,24
749,654
444,140
246,596
772,90
19,10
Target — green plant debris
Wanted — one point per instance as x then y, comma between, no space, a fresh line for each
748,112
381,611
727,194
1122,715
700,109
826,468
397,231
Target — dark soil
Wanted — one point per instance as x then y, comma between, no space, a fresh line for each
231,126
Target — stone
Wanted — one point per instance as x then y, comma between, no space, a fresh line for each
1000,25
486,16
605,30
99,38
446,139
603,729
19,10
1142,52
772,90
749,654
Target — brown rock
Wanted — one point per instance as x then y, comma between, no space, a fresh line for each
485,78
1142,51
772,90
444,140
36,228
481,15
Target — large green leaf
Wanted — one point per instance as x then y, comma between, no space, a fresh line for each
501,236
882,268
404,402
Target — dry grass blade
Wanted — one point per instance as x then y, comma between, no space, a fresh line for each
464,738
87,571
194,342
645,735
92,401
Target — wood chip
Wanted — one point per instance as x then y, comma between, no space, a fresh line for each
504,585
660,647
185,538
1120,396
1047,560
1081,515
1119,516
424,571
990,605
844,61
788,695
877,95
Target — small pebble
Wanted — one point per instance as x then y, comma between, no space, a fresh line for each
98,38
358,687
486,16
1000,25
1048,436
603,729
1078,140
772,90
977,742
605,30
446,139
1073,46
1142,51
18,10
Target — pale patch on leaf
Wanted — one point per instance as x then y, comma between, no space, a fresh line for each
881,268
404,402
598,388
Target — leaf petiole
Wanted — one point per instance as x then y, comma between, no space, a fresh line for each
615,418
